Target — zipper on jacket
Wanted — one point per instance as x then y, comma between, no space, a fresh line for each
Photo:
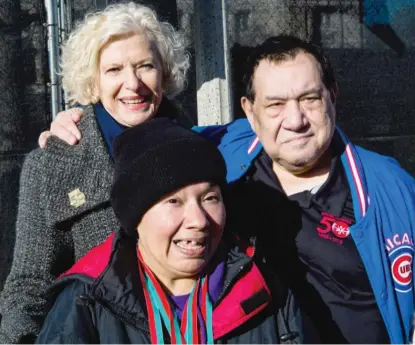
231,281
289,338
83,300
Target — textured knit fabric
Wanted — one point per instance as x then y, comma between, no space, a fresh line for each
50,233
155,159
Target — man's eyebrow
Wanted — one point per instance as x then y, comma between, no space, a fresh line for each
310,91
302,94
275,98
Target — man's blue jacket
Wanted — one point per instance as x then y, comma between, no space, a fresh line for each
383,197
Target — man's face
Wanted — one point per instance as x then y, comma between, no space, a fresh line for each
293,113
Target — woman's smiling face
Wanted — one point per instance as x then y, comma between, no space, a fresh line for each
129,82
179,235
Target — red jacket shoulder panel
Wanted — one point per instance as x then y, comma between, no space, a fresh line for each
248,296
95,261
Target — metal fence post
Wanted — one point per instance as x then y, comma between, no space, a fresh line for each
53,52
65,27
213,79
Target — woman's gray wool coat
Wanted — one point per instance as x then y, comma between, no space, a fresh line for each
63,212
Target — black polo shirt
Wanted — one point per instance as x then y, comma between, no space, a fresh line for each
305,237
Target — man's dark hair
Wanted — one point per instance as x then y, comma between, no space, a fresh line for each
283,48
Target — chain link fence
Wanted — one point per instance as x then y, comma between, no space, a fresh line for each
334,24
82,7
373,64
34,102
24,106
331,23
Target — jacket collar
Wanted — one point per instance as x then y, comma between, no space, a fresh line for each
87,169
352,166
355,176
245,292
112,270
119,286
86,172
109,128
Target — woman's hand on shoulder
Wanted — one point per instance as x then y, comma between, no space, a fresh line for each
64,126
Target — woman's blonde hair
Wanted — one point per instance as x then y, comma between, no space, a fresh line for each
80,53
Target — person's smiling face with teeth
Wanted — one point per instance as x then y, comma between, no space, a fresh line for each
179,234
129,82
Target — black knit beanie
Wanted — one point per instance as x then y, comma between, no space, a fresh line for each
157,158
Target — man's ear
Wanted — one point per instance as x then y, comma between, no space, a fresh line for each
247,106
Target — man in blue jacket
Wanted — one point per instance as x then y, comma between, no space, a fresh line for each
336,220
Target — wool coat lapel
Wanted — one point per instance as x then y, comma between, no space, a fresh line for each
85,172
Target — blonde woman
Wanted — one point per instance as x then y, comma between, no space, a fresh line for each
122,64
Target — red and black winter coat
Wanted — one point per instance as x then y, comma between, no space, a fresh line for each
100,300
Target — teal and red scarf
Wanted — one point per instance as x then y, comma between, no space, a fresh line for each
162,317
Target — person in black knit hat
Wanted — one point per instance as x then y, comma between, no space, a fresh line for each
171,275
156,159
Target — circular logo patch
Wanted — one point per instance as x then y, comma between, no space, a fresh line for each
402,269
340,229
